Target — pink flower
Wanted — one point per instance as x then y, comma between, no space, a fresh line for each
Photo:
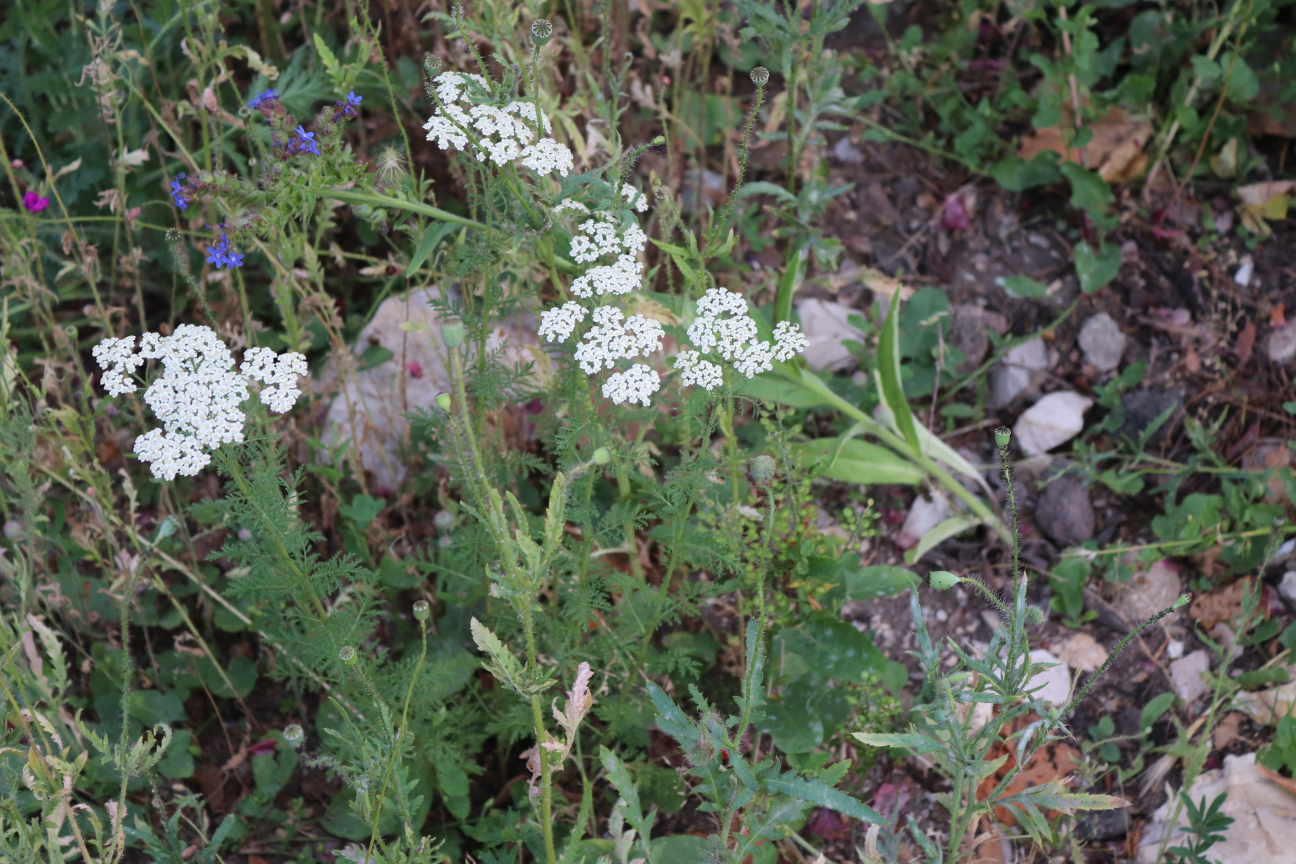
35,203
955,217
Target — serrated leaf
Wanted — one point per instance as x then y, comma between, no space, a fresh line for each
325,53
1055,796
503,665
825,796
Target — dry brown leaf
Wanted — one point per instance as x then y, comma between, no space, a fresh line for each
1116,148
1263,203
1218,606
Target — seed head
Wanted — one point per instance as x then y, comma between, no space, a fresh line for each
431,63
760,76
1002,436
348,655
294,734
541,31
943,580
452,334
421,610
761,469
444,401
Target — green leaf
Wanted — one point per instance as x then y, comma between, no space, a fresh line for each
942,532
434,234
151,707
1017,175
1089,191
912,740
855,461
880,580
177,763
761,187
1243,85
241,672
1096,270
889,374
1023,287
825,796
1054,795
502,664
375,355
790,282
779,390
330,61
362,510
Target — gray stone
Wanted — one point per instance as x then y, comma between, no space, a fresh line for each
1052,421
968,334
1145,405
1102,341
1282,344
924,515
1015,374
824,324
1148,592
1064,511
1104,825
1186,676
1287,588
844,151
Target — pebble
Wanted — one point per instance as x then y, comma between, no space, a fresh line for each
1082,652
1186,676
845,151
1174,649
1287,588
1102,341
924,515
1008,380
824,324
1149,592
1145,405
1282,344
1064,511
1056,682
1054,420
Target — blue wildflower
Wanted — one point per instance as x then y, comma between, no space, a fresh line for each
303,143
221,256
353,101
263,96
178,192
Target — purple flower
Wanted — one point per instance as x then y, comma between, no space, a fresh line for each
35,203
303,143
178,192
221,256
263,96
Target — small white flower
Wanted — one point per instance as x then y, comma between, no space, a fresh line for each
600,237
527,111
118,359
612,338
570,204
788,341
636,384
558,323
754,359
635,197
620,278
696,372
547,156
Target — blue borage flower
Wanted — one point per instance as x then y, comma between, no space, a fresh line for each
303,142
263,96
353,101
221,256
178,192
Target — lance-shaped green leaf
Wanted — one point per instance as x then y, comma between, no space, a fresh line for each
1054,795
825,796
889,375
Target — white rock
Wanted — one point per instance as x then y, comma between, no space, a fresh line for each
844,151
1082,652
370,407
1102,341
1056,682
1174,649
824,324
1282,344
1019,366
1150,591
1263,813
1185,675
924,515
1287,587
1053,420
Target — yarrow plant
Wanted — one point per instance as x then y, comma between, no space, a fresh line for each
198,396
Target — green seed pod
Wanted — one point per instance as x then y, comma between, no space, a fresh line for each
943,580
659,141
1184,600
760,76
348,655
541,31
1034,615
294,734
1002,436
422,610
761,469
431,63
444,401
602,456
452,334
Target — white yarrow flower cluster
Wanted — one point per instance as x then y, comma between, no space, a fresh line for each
636,384
635,197
724,327
614,338
502,134
558,323
198,395
620,278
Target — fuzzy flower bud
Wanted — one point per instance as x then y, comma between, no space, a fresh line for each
943,580
602,456
294,734
1034,615
761,469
